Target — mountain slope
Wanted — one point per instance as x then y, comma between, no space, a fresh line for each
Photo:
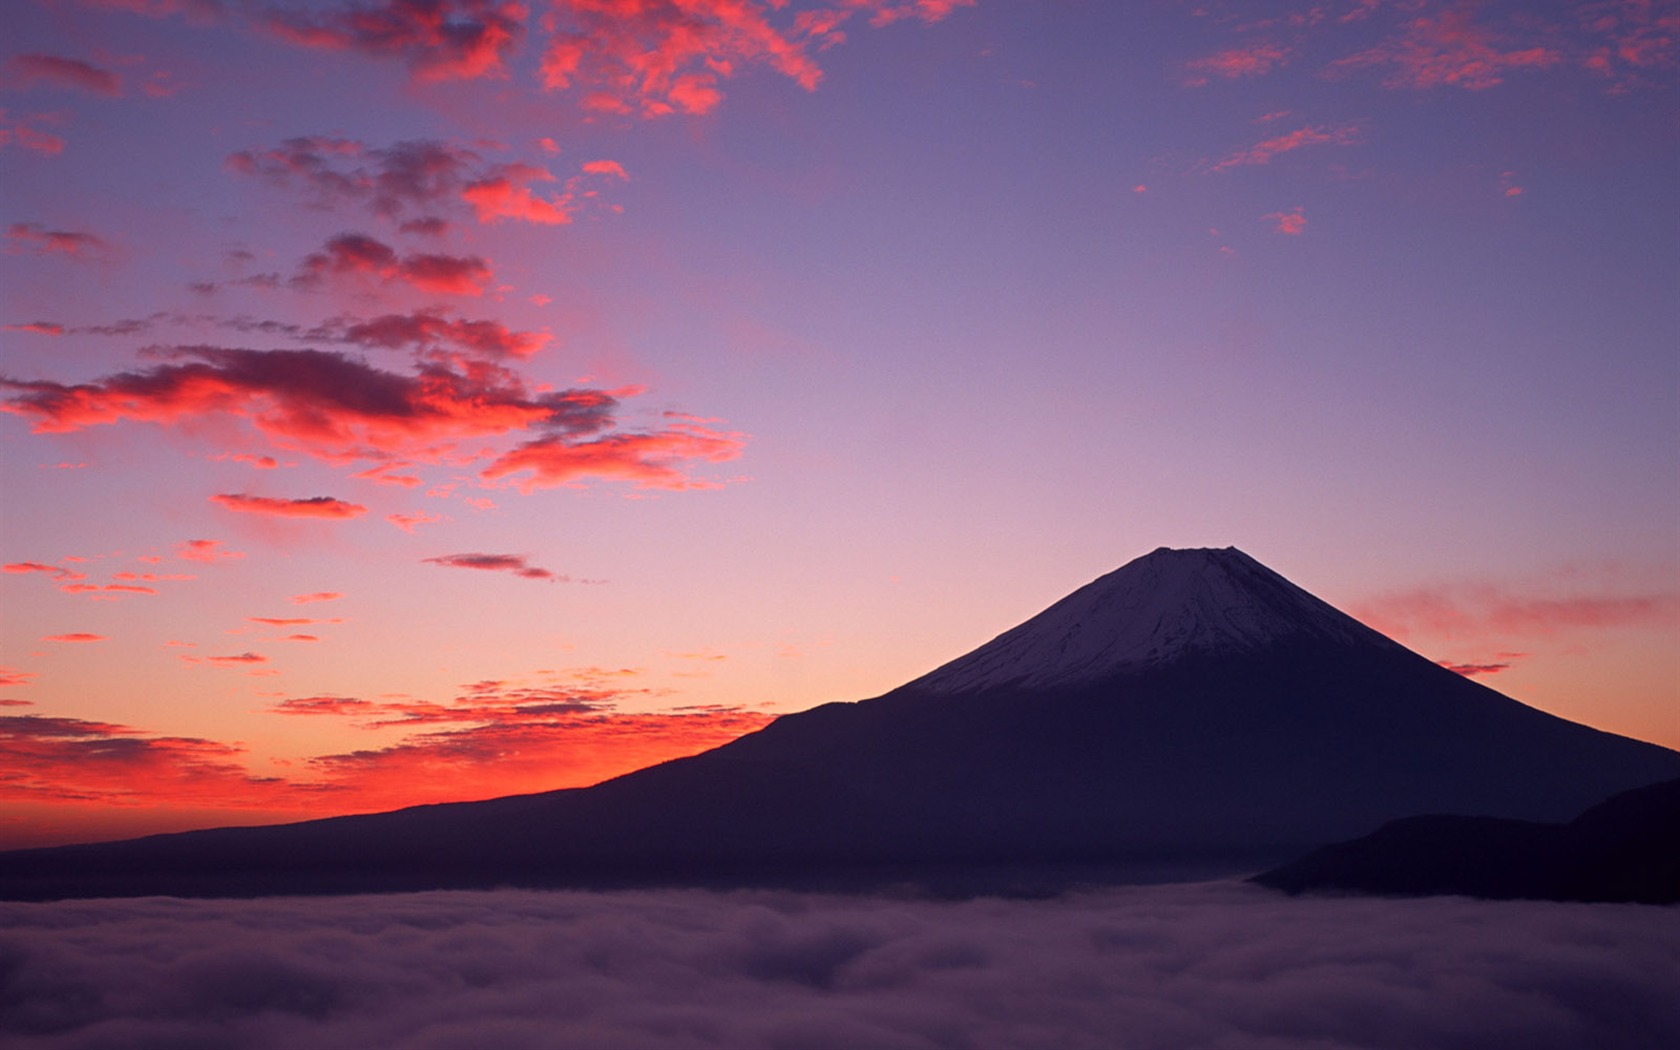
1190,707
1626,849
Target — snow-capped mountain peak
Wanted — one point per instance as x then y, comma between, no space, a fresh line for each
1163,606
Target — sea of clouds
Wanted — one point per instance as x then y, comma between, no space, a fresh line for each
1218,964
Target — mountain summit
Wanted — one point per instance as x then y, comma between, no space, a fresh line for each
1167,605
1190,708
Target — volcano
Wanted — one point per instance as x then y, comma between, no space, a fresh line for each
1191,708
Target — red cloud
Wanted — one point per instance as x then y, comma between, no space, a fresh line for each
283,621
439,39
31,69
605,167
313,507
37,327
351,254
69,243
75,760
514,563
206,551
429,330
652,461
1448,50
1263,152
78,636
1252,61
24,132
11,676
341,410
318,596
407,522
505,196
1291,222
666,56
236,660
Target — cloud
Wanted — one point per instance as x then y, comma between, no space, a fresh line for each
318,596
669,56
1448,49
421,174
287,621
235,660
205,551
438,39
28,70
78,636
1473,670
1262,152
11,677
1292,222
312,507
514,563
341,410
416,174
72,244
499,738
430,330
352,255
1251,61
1484,612
650,461
25,133
76,760
407,522
1168,967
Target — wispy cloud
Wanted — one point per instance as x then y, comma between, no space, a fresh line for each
1448,49
311,507
1291,223
357,256
72,244
438,39
1235,63
1266,150
28,70
206,551
517,564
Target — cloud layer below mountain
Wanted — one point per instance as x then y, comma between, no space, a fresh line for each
1209,965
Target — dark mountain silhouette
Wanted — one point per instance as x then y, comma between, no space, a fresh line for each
1626,849
1189,709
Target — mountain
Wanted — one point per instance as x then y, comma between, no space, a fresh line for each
1625,849
1191,710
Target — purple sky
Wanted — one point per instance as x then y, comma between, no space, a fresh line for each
628,374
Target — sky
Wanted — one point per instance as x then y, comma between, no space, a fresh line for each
421,400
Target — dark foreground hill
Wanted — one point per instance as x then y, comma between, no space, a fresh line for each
1191,711
1624,849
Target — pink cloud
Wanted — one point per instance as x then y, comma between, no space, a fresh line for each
312,507
1481,613
37,327
668,56
430,330
205,551
11,677
1448,49
1292,222
30,69
352,255
1264,151
651,460
1251,61
318,596
25,133
514,563
407,522
77,636
73,244
439,39
505,196
341,410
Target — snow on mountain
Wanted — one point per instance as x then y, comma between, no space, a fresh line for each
1163,606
